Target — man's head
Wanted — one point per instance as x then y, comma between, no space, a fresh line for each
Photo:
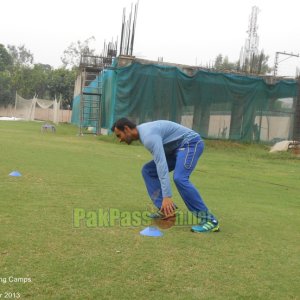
125,130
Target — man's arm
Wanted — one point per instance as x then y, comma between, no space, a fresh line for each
167,206
155,146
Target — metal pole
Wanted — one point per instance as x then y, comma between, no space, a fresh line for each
277,62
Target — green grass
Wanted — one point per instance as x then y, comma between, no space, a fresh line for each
255,194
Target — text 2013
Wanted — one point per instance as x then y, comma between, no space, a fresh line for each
10,295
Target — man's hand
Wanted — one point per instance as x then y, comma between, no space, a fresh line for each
167,207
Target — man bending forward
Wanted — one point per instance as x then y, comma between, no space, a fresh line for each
174,148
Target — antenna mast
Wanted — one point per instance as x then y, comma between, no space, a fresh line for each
251,45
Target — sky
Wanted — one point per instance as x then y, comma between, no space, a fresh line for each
191,32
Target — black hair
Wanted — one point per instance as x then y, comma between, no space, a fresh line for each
121,123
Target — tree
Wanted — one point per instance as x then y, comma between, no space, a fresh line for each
258,64
6,95
6,60
22,82
20,71
6,64
21,56
39,80
218,62
61,84
19,74
71,56
224,64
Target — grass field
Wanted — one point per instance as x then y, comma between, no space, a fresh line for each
255,194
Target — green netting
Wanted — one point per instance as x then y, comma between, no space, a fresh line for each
75,119
108,98
87,115
217,105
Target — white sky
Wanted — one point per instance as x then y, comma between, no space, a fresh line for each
189,32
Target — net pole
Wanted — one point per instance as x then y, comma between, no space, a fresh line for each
15,105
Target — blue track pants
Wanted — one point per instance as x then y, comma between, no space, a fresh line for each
182,161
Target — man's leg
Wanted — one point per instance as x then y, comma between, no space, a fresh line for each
152,181
187,158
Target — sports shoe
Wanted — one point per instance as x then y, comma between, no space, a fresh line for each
207,226
160,215
156,215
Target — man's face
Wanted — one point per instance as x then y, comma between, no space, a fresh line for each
124,136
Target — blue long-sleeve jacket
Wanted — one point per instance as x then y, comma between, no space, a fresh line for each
161,138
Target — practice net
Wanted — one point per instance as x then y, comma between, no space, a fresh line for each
217,105
37,109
